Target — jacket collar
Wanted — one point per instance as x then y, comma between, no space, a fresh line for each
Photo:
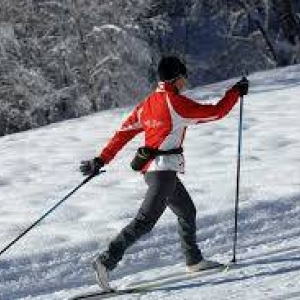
164,86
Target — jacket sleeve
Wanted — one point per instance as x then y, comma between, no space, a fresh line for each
129,129
193,112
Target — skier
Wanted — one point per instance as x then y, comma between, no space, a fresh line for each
163,117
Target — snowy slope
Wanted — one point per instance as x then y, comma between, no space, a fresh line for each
53,261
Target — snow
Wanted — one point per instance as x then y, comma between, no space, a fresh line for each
107,26
39,167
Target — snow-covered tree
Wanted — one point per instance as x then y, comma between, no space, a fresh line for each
65,58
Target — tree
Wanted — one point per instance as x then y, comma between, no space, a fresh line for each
272,21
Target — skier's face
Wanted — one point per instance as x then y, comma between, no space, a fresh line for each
180,83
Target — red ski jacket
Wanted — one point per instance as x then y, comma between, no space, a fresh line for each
164,116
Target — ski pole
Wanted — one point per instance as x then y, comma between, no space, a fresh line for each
86,180
237,193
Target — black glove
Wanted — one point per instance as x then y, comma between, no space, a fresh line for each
242,86
91,167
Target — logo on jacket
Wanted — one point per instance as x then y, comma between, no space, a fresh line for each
154,123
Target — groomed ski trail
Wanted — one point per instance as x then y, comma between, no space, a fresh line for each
268,248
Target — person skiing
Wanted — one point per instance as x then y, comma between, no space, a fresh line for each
163,117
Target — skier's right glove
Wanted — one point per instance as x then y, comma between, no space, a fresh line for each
91,167
242,86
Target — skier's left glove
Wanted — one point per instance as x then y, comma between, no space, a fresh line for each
242,86
91,167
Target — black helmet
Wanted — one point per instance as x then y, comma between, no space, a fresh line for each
171,68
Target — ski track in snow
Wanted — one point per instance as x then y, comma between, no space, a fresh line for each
39,167
161,248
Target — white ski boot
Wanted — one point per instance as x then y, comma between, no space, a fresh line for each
102,274
203,265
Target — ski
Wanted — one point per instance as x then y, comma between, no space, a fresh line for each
177,277
97,295
151,285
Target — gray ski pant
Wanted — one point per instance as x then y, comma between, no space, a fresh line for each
164,190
